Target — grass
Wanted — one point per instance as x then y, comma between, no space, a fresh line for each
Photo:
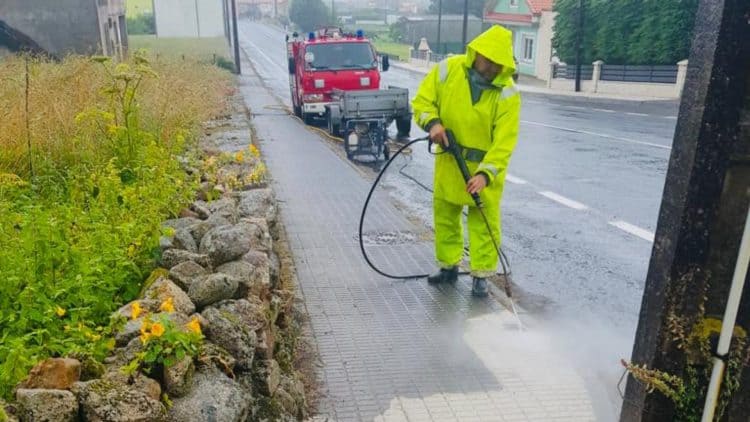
392,48
202,49
137,7
79,237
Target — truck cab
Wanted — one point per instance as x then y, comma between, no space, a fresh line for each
327,60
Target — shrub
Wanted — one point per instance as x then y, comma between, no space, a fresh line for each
78,238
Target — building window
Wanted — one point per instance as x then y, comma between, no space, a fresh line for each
528,48
513,3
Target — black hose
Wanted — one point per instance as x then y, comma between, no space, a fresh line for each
501,254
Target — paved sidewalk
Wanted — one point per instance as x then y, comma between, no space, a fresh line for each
392,350
542,90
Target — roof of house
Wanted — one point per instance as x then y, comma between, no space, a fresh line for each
539,6
507,18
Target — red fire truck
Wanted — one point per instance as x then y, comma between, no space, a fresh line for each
335,76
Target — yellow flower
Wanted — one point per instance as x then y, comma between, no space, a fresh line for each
157,329
194,326
254,150
145,335
239,157
167,306
135,310
60,312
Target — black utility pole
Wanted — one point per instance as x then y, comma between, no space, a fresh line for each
579,41
705,202
440,20
466,22
235,35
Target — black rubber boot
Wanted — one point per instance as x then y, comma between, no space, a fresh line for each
445,275
479,287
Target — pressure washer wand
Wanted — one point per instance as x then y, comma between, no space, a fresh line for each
455,150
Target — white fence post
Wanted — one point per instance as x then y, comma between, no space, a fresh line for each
681,76
596,75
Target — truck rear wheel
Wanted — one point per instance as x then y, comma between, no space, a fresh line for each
298,111
334,128
403,125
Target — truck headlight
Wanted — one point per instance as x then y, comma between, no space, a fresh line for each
312,97
364,81
320,83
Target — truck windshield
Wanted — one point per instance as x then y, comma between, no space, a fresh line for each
342,56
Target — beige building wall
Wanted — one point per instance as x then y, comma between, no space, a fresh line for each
544,45
189,18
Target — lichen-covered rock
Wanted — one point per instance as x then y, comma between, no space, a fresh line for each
262,240
200,208
291,396
212,397
228,331
47,405
163,289
185,273
179,377
199,230
258,203
172,257
224,207
259,283
228,243
269,376
180,223
109,401
212,288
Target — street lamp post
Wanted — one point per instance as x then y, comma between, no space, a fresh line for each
466,22
579,41
440,19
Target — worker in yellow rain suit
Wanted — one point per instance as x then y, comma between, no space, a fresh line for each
474,96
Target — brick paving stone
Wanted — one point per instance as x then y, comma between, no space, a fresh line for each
394,350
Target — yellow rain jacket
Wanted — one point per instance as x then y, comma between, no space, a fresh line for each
489,125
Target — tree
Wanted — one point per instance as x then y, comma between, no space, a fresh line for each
626,31
476,7
309,14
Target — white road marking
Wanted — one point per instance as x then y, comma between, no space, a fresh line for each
514,179
670,117
264,55
636,114
567,129
563,200
605,110
634,230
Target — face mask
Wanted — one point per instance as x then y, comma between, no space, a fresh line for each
477,84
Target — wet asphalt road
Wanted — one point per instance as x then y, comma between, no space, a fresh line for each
579,209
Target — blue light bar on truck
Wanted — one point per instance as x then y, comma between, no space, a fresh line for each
360,33
311,36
